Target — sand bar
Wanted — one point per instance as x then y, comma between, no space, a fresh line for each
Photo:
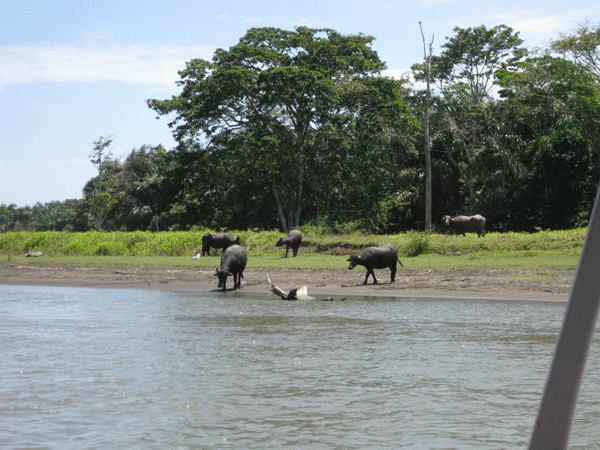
336,283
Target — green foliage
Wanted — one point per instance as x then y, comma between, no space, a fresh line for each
473,55
582,46
418,243
140,243
262,243
100,199
297,129
285,114
557,108
69,215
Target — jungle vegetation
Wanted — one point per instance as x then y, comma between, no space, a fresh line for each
298,128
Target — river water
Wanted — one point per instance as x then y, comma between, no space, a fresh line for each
133,369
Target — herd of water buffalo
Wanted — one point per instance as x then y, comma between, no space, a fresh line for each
234,258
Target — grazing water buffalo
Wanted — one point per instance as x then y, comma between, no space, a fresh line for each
376,258
217,240
466,224
292,239
233,262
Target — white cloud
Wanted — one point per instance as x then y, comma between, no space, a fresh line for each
549,26
141,64
538,25
397,74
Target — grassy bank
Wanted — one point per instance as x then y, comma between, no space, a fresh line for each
546,250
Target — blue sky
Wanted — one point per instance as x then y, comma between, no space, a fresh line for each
72,71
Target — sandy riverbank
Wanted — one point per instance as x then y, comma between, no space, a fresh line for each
483,284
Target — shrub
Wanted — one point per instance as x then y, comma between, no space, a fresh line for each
418,243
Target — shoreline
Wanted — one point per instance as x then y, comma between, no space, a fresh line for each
336,283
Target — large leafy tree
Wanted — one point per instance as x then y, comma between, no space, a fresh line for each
462,111
582,47
553,106
98,196
556,92
135,186
472,56
129,194
265,101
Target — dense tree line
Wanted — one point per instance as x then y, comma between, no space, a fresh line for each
289,128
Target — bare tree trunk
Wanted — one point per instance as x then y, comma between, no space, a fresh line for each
427,139
299,189
284,224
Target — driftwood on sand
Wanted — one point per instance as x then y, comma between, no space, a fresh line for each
296,293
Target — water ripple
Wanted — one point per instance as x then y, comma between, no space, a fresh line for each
93,368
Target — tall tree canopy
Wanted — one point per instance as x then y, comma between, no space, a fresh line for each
582,47
463,111
278,95
301,123
472,56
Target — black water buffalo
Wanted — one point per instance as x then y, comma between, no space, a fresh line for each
233,262
292,239
466,224
376,258
217,240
